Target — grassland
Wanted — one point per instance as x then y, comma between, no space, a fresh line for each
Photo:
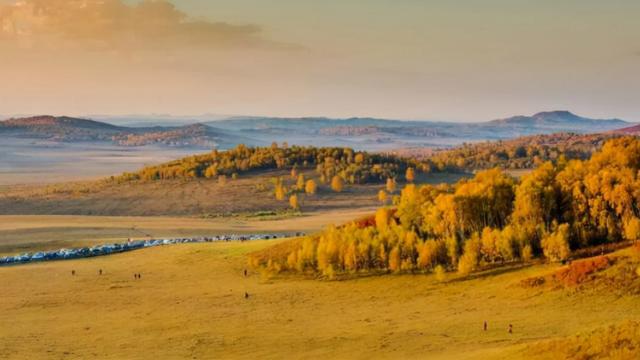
248,194
20,233
190,304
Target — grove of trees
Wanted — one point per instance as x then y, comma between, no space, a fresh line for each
491,218
350,166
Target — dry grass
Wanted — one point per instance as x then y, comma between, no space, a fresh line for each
248,194
612,342
42,232
190,304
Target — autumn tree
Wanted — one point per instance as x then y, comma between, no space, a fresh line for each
632,229
470,258
300,183
337,184
211,172
555,245
310,187
538,203
410,175
293,202
382,196
391,185
279,191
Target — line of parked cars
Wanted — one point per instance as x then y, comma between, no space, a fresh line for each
101,250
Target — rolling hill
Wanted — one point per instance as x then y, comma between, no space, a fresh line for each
74,130
359,133
631,130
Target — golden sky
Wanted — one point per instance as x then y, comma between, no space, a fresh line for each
466,60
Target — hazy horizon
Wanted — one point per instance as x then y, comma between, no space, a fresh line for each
193,118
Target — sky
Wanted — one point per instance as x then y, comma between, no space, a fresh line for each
466,60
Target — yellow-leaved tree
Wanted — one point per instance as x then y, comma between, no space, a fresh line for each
310,187
337,184
391,185
555,245
382,196
300,182
293,202
410,175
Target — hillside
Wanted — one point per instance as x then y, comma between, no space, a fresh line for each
558,120
75,130
631,130
59,129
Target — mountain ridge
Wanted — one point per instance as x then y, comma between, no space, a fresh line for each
358,132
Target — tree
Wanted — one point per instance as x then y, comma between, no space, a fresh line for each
391,185
300,182
470,257
280,192
211,172
337,184
632,229
293,202
410,175
395,261
310,187
537,202
555,245
382,196
382,219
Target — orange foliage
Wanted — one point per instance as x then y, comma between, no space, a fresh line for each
578,271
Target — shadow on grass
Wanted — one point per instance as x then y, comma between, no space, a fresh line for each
496,271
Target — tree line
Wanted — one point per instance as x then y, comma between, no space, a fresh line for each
332,164
558,208
521,153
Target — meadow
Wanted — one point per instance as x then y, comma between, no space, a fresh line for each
29,233
247,194
190,303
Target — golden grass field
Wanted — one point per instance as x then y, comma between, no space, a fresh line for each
201,197
190,304
25,233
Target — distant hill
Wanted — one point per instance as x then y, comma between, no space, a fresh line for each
59,128
360,133
68,129
555,121
631,130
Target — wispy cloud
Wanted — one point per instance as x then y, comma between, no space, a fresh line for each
115,25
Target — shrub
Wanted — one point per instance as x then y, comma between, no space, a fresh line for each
578,271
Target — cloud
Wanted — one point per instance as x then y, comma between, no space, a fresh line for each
115,25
